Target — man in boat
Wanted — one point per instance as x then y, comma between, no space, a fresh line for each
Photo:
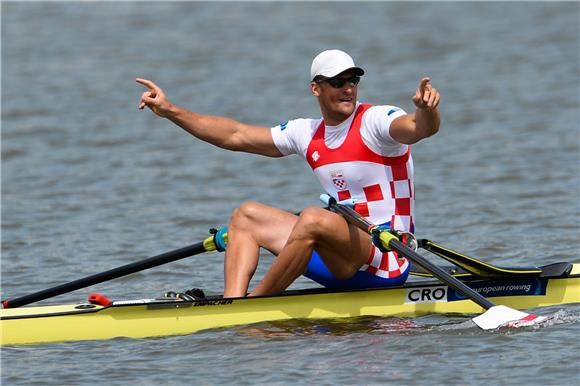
357,151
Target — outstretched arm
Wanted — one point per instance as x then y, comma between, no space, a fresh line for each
424,122
219,131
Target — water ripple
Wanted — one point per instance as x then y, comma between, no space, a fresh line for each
89,182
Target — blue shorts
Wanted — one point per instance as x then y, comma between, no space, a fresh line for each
318,272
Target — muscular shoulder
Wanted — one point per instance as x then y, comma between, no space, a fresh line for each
293,137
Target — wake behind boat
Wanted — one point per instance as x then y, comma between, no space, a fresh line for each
528,288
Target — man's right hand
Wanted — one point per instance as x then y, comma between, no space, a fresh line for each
219,131
155,99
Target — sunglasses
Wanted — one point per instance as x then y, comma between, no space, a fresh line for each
337,82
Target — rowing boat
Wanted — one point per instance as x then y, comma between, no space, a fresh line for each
545,286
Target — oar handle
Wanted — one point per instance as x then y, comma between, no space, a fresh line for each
168,257
391,242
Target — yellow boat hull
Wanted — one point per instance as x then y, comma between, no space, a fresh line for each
156,317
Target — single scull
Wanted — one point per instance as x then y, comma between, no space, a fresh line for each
555,284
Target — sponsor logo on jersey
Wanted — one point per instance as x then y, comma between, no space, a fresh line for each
315,156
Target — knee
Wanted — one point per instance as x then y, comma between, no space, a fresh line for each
246,213
316,221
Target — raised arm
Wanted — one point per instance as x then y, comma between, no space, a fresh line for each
424,122
219,131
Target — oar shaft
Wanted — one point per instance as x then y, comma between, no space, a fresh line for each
441,274
124,270
416,258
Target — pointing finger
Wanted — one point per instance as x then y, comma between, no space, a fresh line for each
147,83
422,85
418,94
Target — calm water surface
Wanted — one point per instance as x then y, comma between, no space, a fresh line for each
90,183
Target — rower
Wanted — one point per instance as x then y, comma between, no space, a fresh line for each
356,150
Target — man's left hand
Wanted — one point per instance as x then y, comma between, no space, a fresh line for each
426,96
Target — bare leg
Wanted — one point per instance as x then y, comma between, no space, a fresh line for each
253,225
342,247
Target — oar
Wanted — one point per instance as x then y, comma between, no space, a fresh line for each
494,317
207,245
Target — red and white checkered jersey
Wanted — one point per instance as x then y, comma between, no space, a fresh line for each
294,136
361,162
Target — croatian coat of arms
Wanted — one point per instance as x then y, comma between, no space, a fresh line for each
338,179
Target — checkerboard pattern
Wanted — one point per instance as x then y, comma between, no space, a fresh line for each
387,265
381,186
378,201
397,198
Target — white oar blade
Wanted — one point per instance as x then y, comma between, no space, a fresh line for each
499,316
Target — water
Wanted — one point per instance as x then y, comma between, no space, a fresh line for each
90,183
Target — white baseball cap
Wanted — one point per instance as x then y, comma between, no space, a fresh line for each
331,63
